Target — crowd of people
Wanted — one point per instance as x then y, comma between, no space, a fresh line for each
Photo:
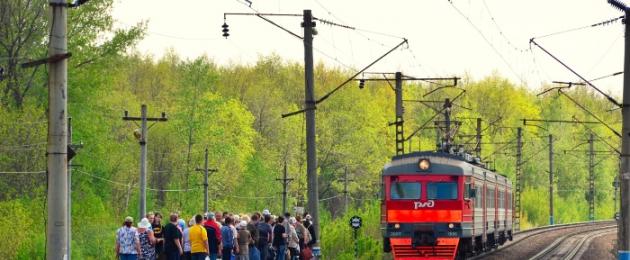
217,235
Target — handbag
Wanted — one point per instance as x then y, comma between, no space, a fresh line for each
306,253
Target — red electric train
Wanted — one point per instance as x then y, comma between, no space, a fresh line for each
441,205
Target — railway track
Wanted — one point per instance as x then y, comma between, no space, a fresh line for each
568,246
568,241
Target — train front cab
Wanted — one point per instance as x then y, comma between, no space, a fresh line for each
454,210
424,215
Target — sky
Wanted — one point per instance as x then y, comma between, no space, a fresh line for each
474,38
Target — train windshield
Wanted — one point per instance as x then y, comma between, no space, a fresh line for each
442,190
405,190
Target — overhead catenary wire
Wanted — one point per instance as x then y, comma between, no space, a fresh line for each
605,22
611,99
327,95
509,42
589,112
496,51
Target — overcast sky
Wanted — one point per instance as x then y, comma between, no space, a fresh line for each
442,41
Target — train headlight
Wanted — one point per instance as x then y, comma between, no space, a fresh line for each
451,225
396,226
424,164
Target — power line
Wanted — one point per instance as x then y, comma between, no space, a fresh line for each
500,30
129,185
172,36
26,172
496,51
602,23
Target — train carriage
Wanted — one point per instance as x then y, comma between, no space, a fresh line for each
439,205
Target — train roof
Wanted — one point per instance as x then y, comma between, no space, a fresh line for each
441,163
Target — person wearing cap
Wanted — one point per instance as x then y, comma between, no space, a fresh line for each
198,240
127,241
213,229
244,240
147,240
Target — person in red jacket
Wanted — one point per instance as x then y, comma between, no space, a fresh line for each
214,235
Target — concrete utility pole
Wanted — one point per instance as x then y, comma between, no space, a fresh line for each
345,189
551,219
591,179
309,104
519,163
144,131
285,185
205,170
56,151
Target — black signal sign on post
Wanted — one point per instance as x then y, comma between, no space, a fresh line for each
355,222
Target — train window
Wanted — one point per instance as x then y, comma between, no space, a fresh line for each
501,200
405,190
442,190
509,200
489,198
479,197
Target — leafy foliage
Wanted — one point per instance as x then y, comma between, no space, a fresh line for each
234,111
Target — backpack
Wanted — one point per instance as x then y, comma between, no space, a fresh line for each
213,242
227,236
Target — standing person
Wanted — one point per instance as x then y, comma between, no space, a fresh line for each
252,227
279,239
311,230
218,218
305,237
150,216
147,240
294,241
172,239
156,226
181,226
302,232
127,241
198,240
244,240
228,239
264,236
186,238
213,229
